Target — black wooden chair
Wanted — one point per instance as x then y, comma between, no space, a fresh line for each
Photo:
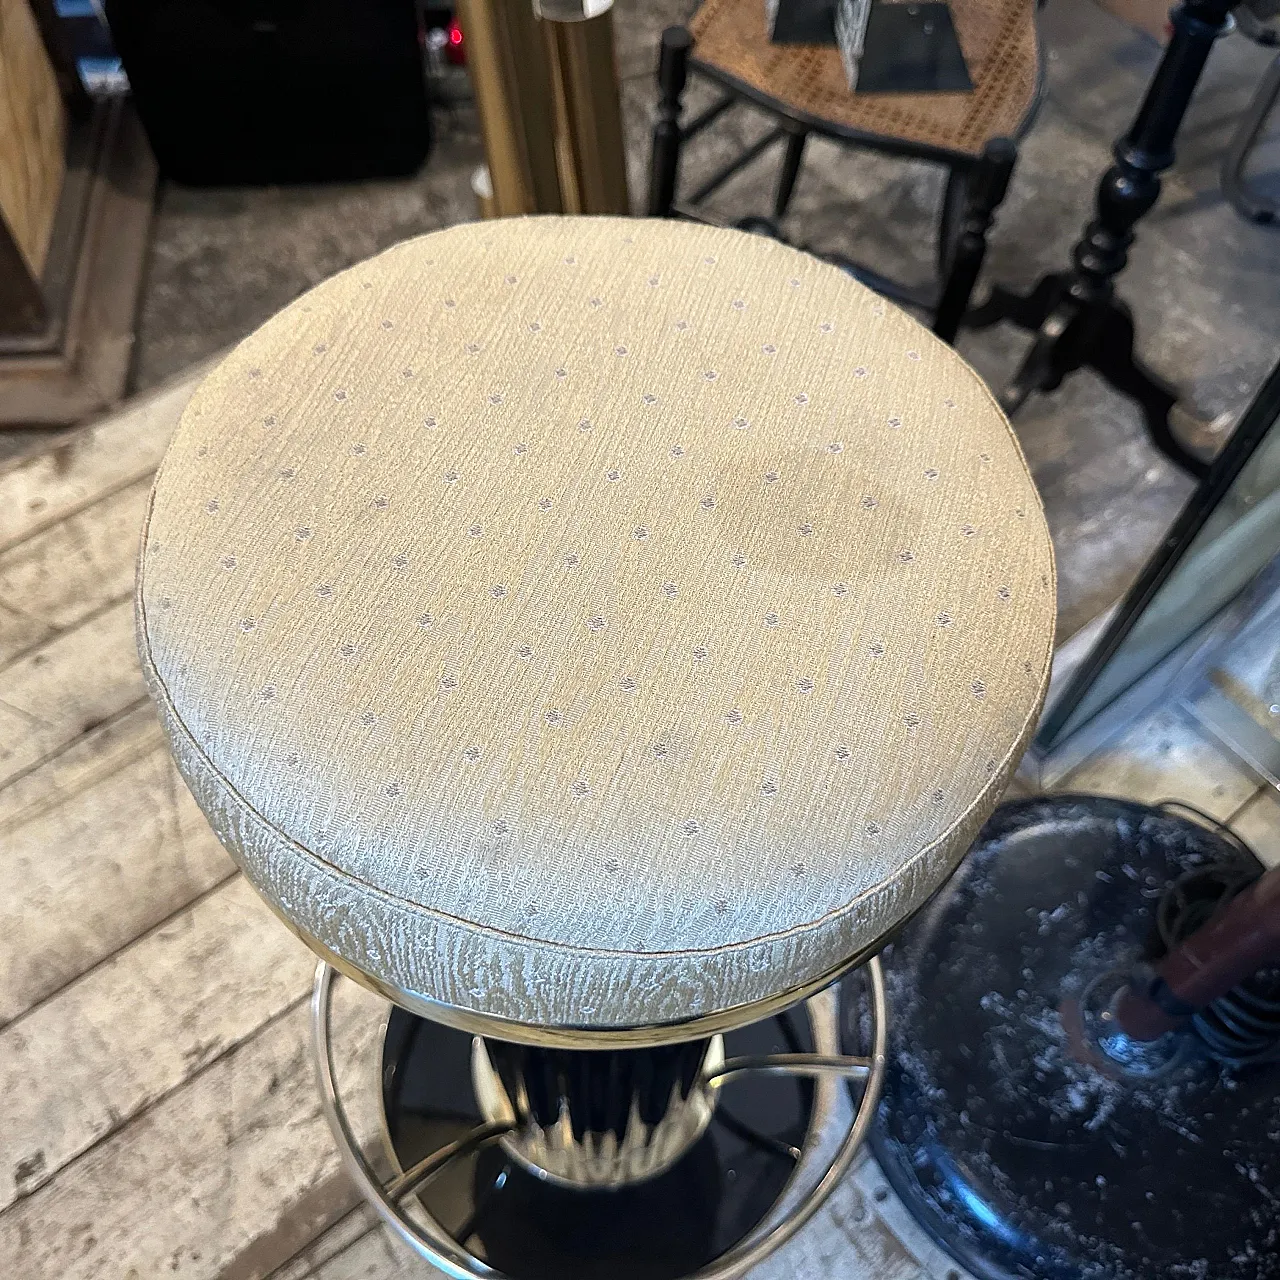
972,135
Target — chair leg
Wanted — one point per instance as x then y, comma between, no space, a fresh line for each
790,172
1243,141
987,184
664,165
954,202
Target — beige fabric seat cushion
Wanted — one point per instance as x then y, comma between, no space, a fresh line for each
595,622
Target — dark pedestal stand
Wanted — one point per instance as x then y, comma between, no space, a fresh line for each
1077,320
1024,1150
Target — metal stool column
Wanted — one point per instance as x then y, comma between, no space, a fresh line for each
422,1232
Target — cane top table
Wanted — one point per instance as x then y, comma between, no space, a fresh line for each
998,38
595,623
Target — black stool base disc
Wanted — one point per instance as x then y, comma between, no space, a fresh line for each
533,1229
1020,1159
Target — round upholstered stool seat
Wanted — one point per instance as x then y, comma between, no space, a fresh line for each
595,624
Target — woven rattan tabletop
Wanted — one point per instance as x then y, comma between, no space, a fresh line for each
998,38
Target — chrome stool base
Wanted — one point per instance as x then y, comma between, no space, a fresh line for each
599,1120
789,1111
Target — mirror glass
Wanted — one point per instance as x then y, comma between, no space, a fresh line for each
1226,535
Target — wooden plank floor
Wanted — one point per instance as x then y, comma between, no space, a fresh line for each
160,1116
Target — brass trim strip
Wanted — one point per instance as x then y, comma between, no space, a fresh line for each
511,80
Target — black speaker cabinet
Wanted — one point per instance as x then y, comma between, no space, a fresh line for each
267,91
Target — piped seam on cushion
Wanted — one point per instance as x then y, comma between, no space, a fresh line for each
175,724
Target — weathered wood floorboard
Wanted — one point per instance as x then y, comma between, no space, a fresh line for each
86,877
128,736
60,576
18,631
371,1256
347,1232
66,687
209,1181
43,489
183,994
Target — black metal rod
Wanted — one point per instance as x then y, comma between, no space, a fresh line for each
709,116
1248,129
790,172
723,175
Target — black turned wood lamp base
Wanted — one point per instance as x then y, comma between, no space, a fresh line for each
1077,320
1021,1149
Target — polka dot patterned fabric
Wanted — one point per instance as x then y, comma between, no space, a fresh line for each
595,622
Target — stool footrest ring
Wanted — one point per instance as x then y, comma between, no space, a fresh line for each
417,1175
429,1239
792,1064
